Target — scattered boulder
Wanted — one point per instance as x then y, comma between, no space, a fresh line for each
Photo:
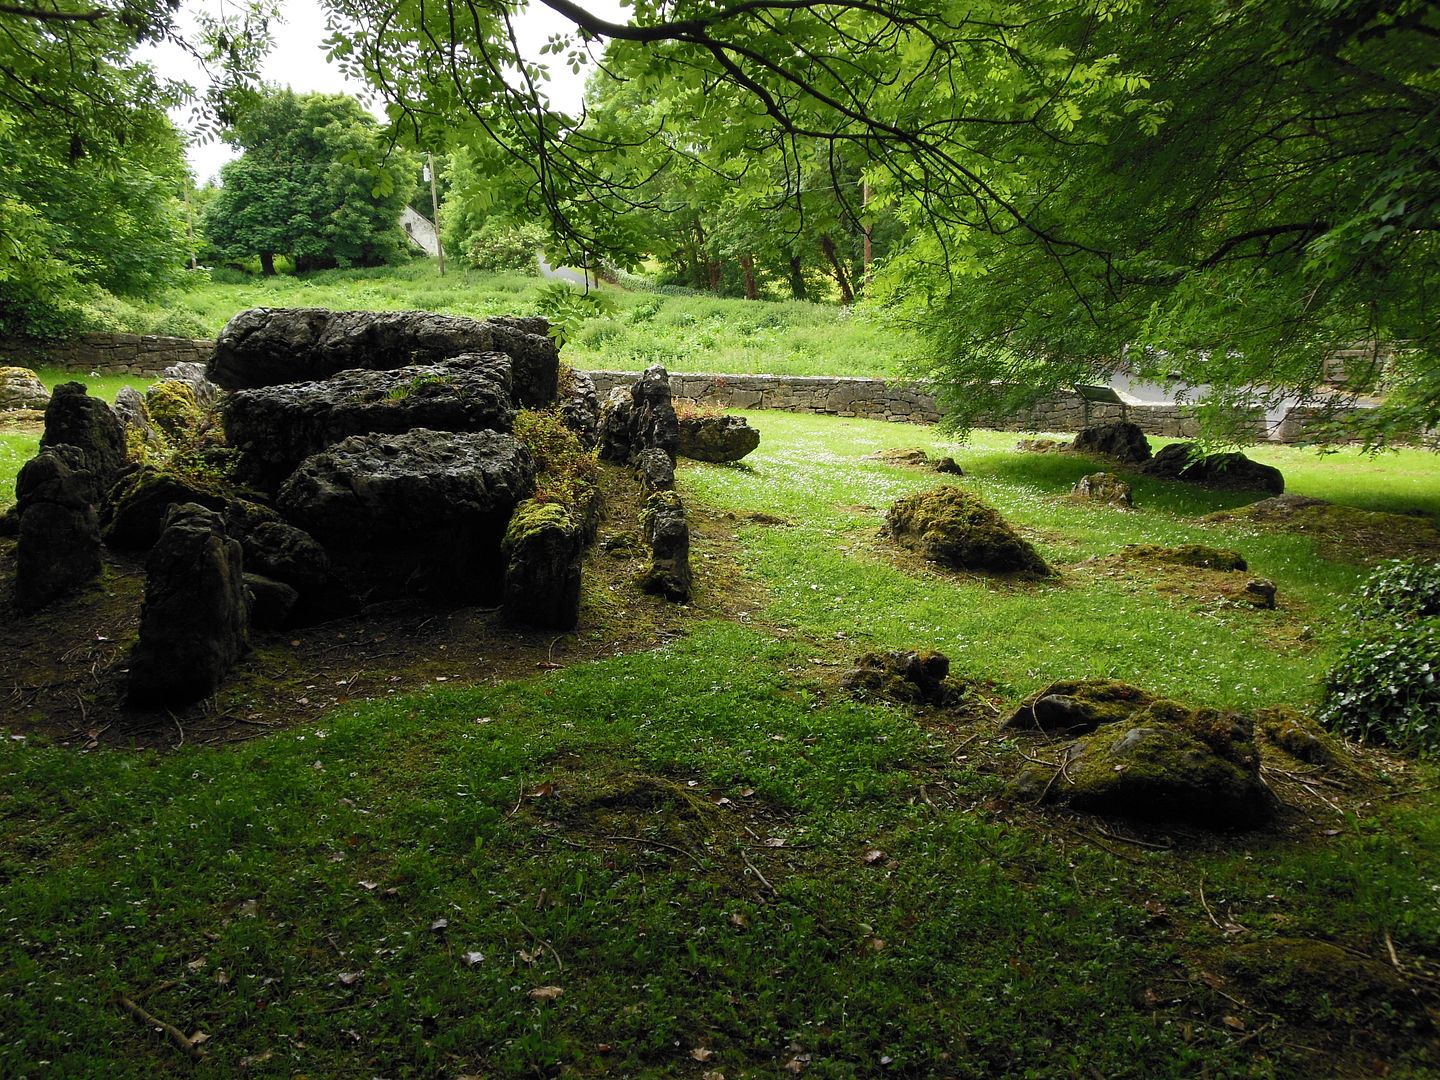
667,534
1257,592
271,346
1078,706
1122,440
59,532
1299,736
195,617
1234,471
134,510
542,549
287,554
909,677
1198,556
277,427
1042,446
73,418
205,392
21,388
134,414
956,528
655,471
424,510
271,602
1167,762
915,457
716,438
1104,487
580,406
947,465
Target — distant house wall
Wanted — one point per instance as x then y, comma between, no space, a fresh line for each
421,231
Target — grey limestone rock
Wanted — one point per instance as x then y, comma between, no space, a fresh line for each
58,530
716,438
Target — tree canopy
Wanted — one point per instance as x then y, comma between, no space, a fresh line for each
317,181
1225,192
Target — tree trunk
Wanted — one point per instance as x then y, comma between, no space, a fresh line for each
747,263
267,263
797,278
847,295
712,271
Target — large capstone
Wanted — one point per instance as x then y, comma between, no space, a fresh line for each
194,622
59,532
956,528
1234,471
716,438
1123,441
277,427
271,346
542,550
73,418
21,388
424,510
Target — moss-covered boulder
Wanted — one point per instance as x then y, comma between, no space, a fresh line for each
173,409
1167,762
908,676
74,418
21,388
1077,706
1104,488
1198,556
1298,736
59,535
133,513
956,528
541,550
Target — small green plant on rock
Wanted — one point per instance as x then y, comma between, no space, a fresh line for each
1384,689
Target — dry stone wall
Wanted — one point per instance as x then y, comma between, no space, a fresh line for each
117,354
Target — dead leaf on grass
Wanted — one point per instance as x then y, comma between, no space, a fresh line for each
702,1053
1234,1023
546,993
349,979
774,841
873,856
470,959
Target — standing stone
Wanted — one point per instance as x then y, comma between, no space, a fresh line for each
73,418
614,424
194,621
193,375
21,388
59,532
653,424
667,533
134,414
655,471
542,549
580,406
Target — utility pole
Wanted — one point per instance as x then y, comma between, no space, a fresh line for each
435,210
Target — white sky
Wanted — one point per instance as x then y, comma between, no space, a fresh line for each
298,61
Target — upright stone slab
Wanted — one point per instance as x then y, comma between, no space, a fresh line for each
667,534
270,346
59,531
542,550
73,418
639,418
580,406
194,621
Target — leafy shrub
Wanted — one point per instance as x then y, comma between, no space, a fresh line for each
1383,689
177,322
502,246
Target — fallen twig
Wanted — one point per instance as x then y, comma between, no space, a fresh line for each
1133,840
1390,948
660,844
178,1037
1206,905
756,871
542,941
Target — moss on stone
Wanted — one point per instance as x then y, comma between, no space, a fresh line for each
533,517
1197,555
1298,735
957,528
174,410
1076,705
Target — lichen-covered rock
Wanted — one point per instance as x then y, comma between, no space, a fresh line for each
1077,706
542,549
277,427
1104,487
194,621
613,441
955,528
133,512
424,510
140,433
174,409
900,455
1233,471
1299,736
655,471
716,438
667,534
1123,441
205,392
73,418
1200,556
1167,762
580,406
58,530
916,678
1042,446
638,419
21,388
270,346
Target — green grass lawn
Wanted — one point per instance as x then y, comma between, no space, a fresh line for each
722,864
